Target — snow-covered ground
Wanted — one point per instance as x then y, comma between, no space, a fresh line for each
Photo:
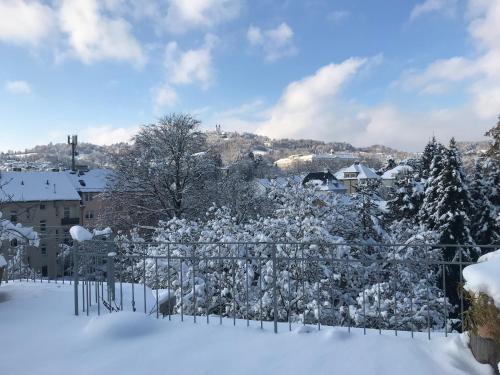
40,335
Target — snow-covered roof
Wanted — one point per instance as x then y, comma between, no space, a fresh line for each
94,180
391,174
36,186
362,171
279,181
333,186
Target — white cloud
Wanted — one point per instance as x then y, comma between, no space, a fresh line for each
447,7
313,108
305,106
275,43
18,87
480,73
191,66
165,96
25,22
93,35
184,15
107,135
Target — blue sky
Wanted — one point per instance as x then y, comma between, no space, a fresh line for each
365,72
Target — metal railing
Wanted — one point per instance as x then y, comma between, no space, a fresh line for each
399,287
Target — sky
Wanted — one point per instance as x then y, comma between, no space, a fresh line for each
392,72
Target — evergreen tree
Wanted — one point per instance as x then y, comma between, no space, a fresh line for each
431,196
431,149
483,213
406,199
494,151
445,211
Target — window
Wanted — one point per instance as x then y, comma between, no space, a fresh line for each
43,249
42,207
13,216
43,226
67,212
89,215
13,242
88,197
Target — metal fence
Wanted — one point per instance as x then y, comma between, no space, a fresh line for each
399,287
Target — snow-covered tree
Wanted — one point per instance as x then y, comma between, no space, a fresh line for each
484,228
16,238
406,199
169,171
431,150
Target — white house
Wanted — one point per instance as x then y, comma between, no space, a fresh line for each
356,174
390,177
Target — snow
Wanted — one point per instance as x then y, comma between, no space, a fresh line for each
3,262
104,232
484,277
136,343
80,234
391,174
36,186
95,180
363,172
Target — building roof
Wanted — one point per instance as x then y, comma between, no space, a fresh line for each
93,181
362,171
36,186
391,174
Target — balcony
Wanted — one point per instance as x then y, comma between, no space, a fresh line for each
70,221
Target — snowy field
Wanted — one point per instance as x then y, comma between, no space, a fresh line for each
39,334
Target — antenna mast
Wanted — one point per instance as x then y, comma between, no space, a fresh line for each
73,141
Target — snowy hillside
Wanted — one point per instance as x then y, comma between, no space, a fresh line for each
40,335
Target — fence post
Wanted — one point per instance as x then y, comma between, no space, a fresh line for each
75,280
275,290
111,277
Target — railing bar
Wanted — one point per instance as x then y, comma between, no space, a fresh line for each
133,288
247,312
170,307
234,287
220,286
445,303
144,281
157,286
194,283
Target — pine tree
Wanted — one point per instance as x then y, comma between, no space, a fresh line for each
406,199
483,213
494,150
431,149
429,203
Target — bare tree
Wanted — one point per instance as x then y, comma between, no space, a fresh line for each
169,171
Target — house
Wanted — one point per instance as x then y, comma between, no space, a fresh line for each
390,177
356,174
325,182
90,184
46,201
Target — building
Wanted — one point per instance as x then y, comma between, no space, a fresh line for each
356,174
46,201
51,203
390,177
90,184
325,182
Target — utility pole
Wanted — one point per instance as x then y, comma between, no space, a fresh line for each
73,141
